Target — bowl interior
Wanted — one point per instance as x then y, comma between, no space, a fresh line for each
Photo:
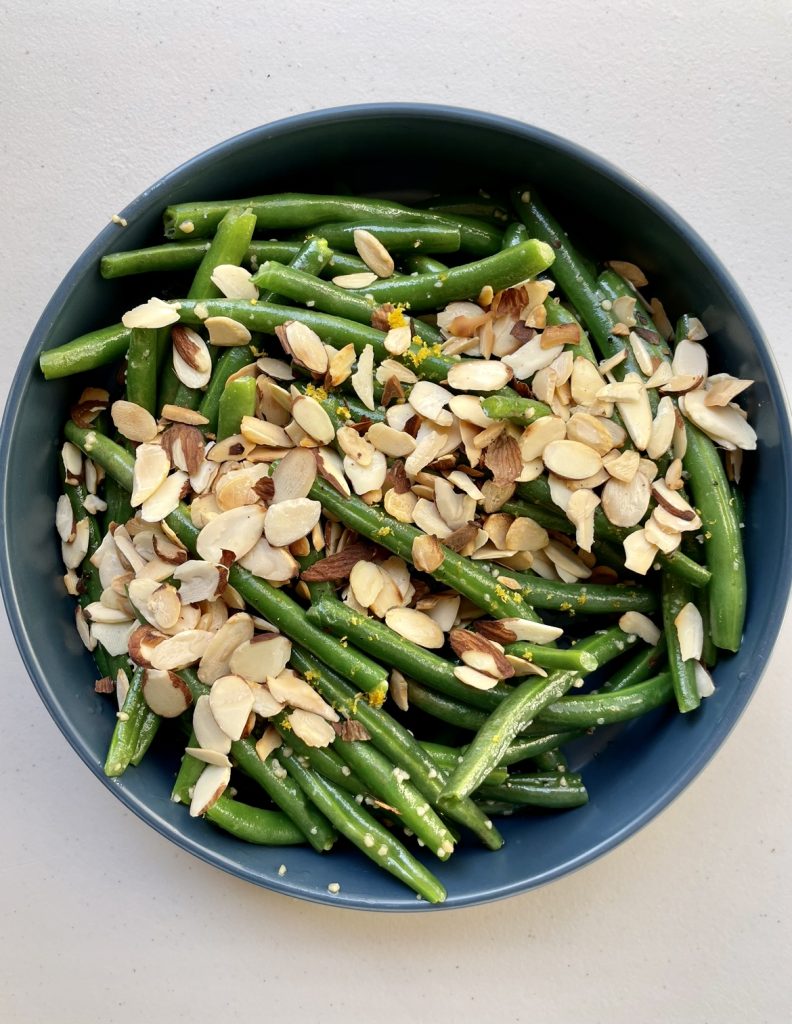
403,151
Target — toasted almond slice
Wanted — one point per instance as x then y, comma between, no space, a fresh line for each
217,656
426,451
637,624
621,391
690,631
98,611
589,430
207,732
623,309
359,449
269,742
661,376
310,415
427,518
639,553
72,459
75,550
365,479
400,506
231,701
662,429
681,384
415,626
276,368
524,534
533,632
523,667
288,521
455,509
704,681
672,501
208,756
571,459
258,431
113,636
427,554
473,678
580,511
177,414
390,596
227,333
723,425
234,282
363,378
304,346
191,360
200,581
180,651
133,421
586,382
236,531
568,565
622,466
637,413
723,389
394,443
289,688
468,408
606,365
311,729
664,539
294,475
331,468
151,469
366,582
265,655
165,693
373,253
340,364
690,360
429,400
398,340
212,783
276,565
152,314
360,280
630,272
673,524
642,355
531,357
479,375
264,704
84,630
539,435
390,368
625,504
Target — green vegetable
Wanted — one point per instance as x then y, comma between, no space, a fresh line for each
141,374
552,791
237,400
127,728
254,824
311,258
676,594
394,235
229,363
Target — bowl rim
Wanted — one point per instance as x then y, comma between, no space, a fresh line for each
284,126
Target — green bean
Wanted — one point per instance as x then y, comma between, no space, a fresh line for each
446,709
390,784
311,258
639,668
148,730
514,234
709,652
587,710
141,373
553,791
229,363
524,746
396,742
237,400
270,776
551,761
511,716
448,758
613,286
324,760
422,265
576,658
395,236
511,406
89,351
365,832
254,824
469,206
296,210
722,539
127,728
583,598
189,772
378,639
676,594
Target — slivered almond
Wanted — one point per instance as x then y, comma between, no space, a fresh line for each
289,688
288,521
479,375
427,554
231,701
304,346
571,459
133,421
637,624
152,314
207,732
269,742
415,626
690,631
360,280
234,282
723,389
212,783
165,693
225,332
363,378
373,253
265,655
723,425
238,629
639,553
625,504
630,272
311,729
475,679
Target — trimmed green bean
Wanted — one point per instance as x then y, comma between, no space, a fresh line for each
422,265
127,728
447,758
396,237
237,400
676,594
588,710
446,709
311,258
511,406
324,760
148,730
524,746
229,363
576,658
89,351
554,792
254,824
189,772
141,372
639,668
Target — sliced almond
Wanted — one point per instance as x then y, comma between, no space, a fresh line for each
74,551
580,511
231,701
532,632
672,523
359,449
294,476
704,681
662,435
340,365
723,389
680,384
531,357
191,360
589,430
234,282
258,431
152,314
672,501
264,704
607,365
637,624
289,688
373,253
217,656
226,333
623,309
289,520
362,379
360,280
427,554
178,414
586,382
690,359
661,376
637,414
212,783
133,421
389,368
723,425
473,678
415,626
274,564
394,443
331,468
313,419
664,539
639,553
263,656
398,340
165,693
304,346
625,504
269,742
690,632
479,375
200,581
365,479
366,582
426,451
400,506
430,400
571,459
236,531
630,272
539,435
622,466
151,469
207,732
208,756
180,651
311,729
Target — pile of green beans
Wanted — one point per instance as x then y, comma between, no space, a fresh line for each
434,756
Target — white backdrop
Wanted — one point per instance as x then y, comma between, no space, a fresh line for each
100,918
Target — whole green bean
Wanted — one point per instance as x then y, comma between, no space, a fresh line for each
237,400
588,710
446,709
448,758
229,363
127,728
148,730
524,746
141,372
413,264
254,824
676,594
639,668
89,351
551,791
395,236
311,258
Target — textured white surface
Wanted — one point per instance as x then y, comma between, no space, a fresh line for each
101,919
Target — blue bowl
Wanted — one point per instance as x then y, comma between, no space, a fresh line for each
402,150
